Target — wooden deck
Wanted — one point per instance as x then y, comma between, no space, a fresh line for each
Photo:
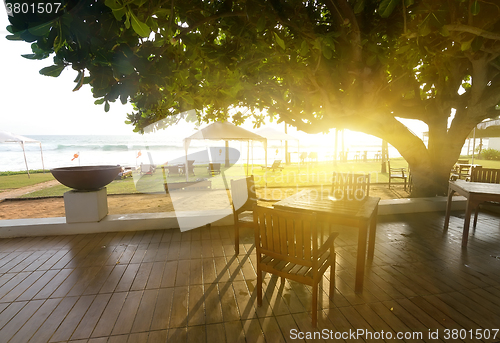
157,286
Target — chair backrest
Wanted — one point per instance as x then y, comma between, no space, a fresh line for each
276,164
286,235
243,194
396,171
147,168
462,162
350,186
214,167
487,175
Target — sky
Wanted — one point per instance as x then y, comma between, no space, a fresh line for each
34,104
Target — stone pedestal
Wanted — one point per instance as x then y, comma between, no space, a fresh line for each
85,206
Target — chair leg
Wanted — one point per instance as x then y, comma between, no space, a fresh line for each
332,274
236,237
315,305
259,286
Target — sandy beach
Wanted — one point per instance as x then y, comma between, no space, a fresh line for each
18,208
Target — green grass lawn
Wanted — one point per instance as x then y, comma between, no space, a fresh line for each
310,174
9,182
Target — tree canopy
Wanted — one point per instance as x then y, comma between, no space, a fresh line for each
356,64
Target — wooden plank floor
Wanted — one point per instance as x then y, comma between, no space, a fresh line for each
167,286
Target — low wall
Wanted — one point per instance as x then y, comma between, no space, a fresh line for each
415,205
170,220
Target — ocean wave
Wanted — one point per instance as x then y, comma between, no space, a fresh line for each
111,147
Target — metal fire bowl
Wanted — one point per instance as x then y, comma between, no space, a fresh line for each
86,178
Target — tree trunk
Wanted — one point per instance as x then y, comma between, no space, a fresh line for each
431,173
429,180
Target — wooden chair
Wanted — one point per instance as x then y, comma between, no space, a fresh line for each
303,156
313,157
291,245
350,186
276,165
170,170
397,173
182,167
244,198
213,169
147,169
486,175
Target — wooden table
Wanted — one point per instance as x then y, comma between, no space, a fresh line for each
476,193
359,214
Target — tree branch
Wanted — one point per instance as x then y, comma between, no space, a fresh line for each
474,30
209,18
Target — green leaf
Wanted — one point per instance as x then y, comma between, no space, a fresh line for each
465,45
304,48
280,41
444,31
474,9
16,36
99,101
327,52
30,56
403,49
261,24
425,26
122,65
41,30
54,70
119,13
106,107
113,4
359,7
139,27
79,80
127,20
162,12
477,43
386,7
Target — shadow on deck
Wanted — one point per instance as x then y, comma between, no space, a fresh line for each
164,285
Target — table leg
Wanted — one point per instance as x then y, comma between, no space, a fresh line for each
468,211
448,209
372,234
360,263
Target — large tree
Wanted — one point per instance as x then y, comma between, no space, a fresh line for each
316,65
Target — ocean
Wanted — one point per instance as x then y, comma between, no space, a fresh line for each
132,150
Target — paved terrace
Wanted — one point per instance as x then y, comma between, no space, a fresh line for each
164,285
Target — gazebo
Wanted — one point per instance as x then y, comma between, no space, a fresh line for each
7,137
272,134
227,132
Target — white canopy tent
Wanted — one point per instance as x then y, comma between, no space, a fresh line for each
227,132
272,134
7,137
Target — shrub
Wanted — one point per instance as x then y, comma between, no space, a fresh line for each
490,154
